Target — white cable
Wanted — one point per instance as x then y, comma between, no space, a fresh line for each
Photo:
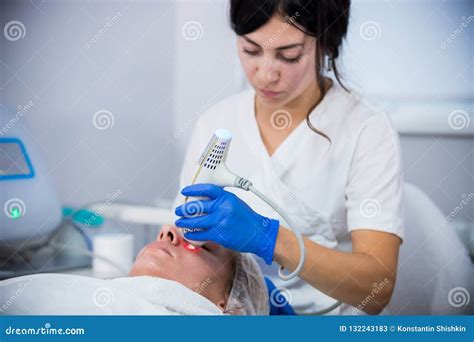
297,235
246,184
323,311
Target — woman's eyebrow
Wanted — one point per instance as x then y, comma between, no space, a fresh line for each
284,47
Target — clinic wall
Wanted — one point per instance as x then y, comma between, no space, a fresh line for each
402,50
442,167
207,67
81,57
418,54
2,67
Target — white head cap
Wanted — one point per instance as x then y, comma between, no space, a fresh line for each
249,294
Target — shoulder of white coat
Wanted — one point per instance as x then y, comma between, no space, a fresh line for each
226,109
362,113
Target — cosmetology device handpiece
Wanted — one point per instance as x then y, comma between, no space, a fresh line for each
212,169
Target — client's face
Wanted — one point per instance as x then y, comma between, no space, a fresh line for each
207,270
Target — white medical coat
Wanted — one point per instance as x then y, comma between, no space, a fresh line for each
328,189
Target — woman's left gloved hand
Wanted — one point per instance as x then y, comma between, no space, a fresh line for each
227,220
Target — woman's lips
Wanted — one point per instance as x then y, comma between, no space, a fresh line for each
269,93
160,246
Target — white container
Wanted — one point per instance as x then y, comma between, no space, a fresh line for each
113,254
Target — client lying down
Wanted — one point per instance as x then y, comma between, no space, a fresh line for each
166,279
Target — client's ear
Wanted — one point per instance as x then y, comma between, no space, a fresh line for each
222,304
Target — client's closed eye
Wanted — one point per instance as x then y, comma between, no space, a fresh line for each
206,248
210,247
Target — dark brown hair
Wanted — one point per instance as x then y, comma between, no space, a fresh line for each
326,20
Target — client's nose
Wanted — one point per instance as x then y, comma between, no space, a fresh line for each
169,233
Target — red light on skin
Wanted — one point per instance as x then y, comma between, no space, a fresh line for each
189,246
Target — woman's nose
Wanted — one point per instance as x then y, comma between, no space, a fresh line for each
267,72
169,233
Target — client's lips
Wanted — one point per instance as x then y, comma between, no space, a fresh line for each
161,246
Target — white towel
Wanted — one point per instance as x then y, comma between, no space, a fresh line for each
62,294
170,295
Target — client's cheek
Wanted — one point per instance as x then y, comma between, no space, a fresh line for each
195,270
147,264
136,270
201,283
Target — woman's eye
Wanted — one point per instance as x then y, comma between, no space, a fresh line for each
290,60
251,52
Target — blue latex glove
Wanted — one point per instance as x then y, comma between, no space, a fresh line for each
279,305
228,221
